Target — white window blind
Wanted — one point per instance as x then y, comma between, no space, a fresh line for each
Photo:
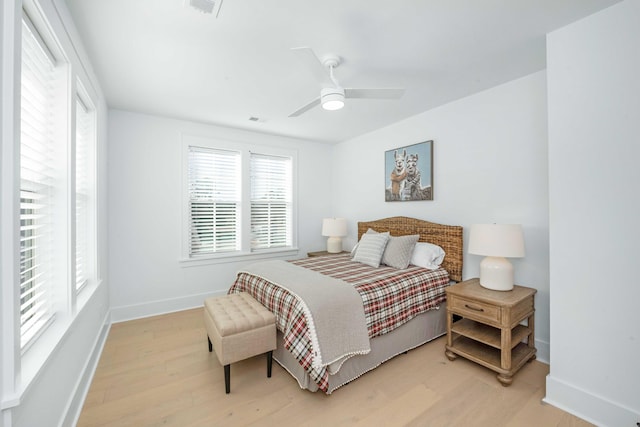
85,136
271,201
36,184
214,187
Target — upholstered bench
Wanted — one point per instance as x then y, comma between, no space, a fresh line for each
239,327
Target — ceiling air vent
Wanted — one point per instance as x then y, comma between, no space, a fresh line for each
206,6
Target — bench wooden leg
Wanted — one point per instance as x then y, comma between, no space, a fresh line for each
227,378
269,363
210,345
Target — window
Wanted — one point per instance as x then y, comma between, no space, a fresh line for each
270,201
58,247
239,199
37,184
214,201
85,165
40,220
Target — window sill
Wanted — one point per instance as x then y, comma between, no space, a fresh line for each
239,257
35,359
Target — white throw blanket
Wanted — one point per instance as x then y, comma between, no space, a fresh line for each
333,310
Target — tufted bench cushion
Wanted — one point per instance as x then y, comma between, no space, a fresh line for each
239,327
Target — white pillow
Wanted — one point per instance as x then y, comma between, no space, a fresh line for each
398,251
370,249
427,255
369,231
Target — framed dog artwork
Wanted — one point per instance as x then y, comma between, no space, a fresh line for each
408,173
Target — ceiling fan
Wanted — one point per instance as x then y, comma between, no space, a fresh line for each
332,95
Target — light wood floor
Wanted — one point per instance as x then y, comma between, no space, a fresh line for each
158,371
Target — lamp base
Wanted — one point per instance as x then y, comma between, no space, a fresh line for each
334,245
496,273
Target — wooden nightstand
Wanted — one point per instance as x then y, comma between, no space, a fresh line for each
323,253
490,332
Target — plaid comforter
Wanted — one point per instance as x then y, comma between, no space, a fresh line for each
390,297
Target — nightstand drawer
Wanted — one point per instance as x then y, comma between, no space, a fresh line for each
474,309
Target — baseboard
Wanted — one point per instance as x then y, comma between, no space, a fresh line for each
154,308
588,406
72,414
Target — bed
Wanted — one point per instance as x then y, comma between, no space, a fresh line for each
418,309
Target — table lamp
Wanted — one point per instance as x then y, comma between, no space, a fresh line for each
335,228
497,242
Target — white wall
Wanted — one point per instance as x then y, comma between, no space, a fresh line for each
490,165
594,111
145,203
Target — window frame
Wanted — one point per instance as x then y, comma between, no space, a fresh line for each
90,215
245,252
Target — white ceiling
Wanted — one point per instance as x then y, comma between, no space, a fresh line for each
165,58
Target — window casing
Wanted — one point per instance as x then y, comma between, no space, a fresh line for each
239,200
58,243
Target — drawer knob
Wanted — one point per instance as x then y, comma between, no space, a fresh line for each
474,308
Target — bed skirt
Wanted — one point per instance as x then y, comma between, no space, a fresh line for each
421,329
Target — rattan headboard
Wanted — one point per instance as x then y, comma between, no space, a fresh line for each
448,237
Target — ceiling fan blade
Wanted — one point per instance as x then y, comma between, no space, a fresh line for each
307,107
313,63
382,93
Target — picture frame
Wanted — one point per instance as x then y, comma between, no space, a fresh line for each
408,172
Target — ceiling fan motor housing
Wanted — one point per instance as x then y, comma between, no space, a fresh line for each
332,98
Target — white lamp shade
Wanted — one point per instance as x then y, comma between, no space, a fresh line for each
497,240
335,228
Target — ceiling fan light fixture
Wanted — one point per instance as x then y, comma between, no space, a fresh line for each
332,95
332,98
333,104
